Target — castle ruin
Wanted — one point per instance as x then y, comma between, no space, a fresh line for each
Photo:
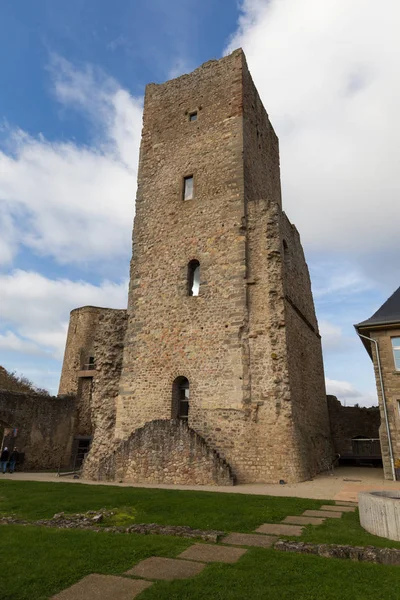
214,374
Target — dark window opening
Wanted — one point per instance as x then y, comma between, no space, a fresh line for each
286,254
180,398
193,116
188,187
193,278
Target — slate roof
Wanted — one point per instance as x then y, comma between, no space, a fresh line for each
388,313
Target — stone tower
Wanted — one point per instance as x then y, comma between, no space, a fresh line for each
221,330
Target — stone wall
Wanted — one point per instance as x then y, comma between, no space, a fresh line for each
391,378
165,451
45,427
97,333
249,343
107,348
348,422
370,554
171,334
304,357
79,346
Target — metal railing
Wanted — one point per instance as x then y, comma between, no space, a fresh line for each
89,367
75,466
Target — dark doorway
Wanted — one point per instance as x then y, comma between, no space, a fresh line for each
180,398
80,447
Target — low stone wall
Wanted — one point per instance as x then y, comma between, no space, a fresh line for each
380,513
165,451
348,422
383,556
91,520
43,425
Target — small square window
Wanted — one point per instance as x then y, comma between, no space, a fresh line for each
188,187
193,116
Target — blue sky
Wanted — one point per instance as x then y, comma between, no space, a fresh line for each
72,81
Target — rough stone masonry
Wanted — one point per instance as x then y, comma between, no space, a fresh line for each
220,331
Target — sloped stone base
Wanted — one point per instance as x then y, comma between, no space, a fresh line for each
165,451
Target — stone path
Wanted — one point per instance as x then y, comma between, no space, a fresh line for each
207,553
280,529
323,514
302,520
335,508
102,587
165,568
194,559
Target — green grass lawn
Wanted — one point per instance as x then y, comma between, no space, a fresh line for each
203,510
346,530
38,562
271,575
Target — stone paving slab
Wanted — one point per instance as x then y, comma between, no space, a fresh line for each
165,568
104,587
344,503
341,509
280,529
208,553
301,520
249,539
322,513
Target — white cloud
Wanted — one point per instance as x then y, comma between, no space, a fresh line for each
12,343
72,202
37,309
333,339
337,280
327,73
348,394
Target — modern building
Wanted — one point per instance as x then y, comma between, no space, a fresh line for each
381,337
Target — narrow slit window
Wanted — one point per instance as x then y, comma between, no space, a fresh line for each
193,116
188,187
193,278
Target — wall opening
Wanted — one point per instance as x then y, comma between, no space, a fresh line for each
193,278
188,187
286,254
80,447
180,398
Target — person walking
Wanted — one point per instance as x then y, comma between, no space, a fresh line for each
13,460
5,455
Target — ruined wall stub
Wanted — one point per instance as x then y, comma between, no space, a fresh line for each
249,342
44,426
91,368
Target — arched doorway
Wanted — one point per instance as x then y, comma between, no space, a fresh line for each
180,398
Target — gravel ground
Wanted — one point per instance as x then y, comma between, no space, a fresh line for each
343,484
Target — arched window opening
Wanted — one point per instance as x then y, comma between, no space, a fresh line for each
193,278
180,398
